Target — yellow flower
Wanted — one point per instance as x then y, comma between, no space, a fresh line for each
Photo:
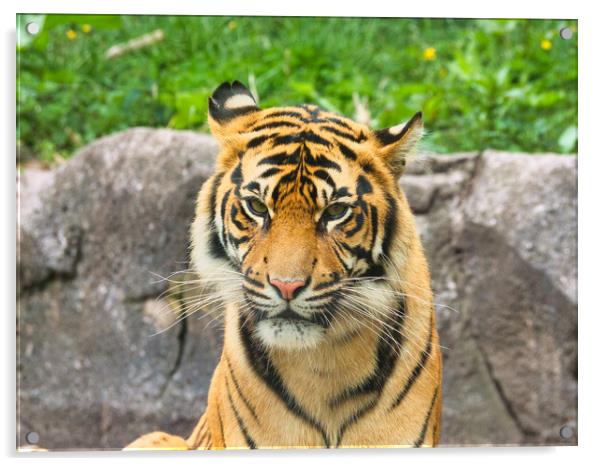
71,34
232,25
545,44
86,28
429,54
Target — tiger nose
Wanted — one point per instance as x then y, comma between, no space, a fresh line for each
287,289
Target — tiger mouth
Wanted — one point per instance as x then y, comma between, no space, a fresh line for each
289,316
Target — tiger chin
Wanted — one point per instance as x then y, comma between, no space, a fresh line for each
306,238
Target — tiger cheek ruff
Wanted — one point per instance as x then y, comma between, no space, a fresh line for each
303,232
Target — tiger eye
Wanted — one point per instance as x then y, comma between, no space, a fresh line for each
257,207
336,210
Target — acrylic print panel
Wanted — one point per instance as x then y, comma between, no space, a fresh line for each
263,232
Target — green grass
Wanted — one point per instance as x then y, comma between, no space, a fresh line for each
491,83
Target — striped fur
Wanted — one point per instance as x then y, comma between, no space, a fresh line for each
352,360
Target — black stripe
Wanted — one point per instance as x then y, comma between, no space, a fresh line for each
252,186
275,124
415,372
363,186
390,224
354,418
246,253
321,161
255,293
329,283
241,425
222,115
233,214
223,216
236,176
216,248
374,225
435,432
359,222
337,253
374,271
321,296
261,363
247,217
340,122
281,158
258,140
221,422
308,188
238,241
239,391
341,192
254,282
303,136
367,167
358,251
343,134
386,358
202,432
283,113
347,153
420,440
341,225
286,139
270,172
325,176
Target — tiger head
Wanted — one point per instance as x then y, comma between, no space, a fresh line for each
303,218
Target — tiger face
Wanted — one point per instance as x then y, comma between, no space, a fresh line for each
301,218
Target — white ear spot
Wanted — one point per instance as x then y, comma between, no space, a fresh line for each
238,101
395,130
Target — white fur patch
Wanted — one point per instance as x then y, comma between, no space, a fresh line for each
287,334
213,271
238,101
395,130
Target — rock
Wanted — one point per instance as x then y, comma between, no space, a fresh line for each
97,367
502,245
93,372
519,249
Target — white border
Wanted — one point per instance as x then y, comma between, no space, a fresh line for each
590,173
381,8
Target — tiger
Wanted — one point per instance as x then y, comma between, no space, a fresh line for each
304,233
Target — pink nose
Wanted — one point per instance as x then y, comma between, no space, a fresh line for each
287,289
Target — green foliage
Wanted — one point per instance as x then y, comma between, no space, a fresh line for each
506,84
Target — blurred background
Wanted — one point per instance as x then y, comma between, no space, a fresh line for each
105,208
504,84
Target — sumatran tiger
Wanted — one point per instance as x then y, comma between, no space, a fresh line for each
303,231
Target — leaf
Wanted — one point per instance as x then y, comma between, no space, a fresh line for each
96,21
568,139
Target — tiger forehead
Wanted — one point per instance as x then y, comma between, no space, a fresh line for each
309,137
308,118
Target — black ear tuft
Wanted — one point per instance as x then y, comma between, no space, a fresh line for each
389,136
231,100
399,142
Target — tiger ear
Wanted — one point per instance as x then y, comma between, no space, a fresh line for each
398,142
227,104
